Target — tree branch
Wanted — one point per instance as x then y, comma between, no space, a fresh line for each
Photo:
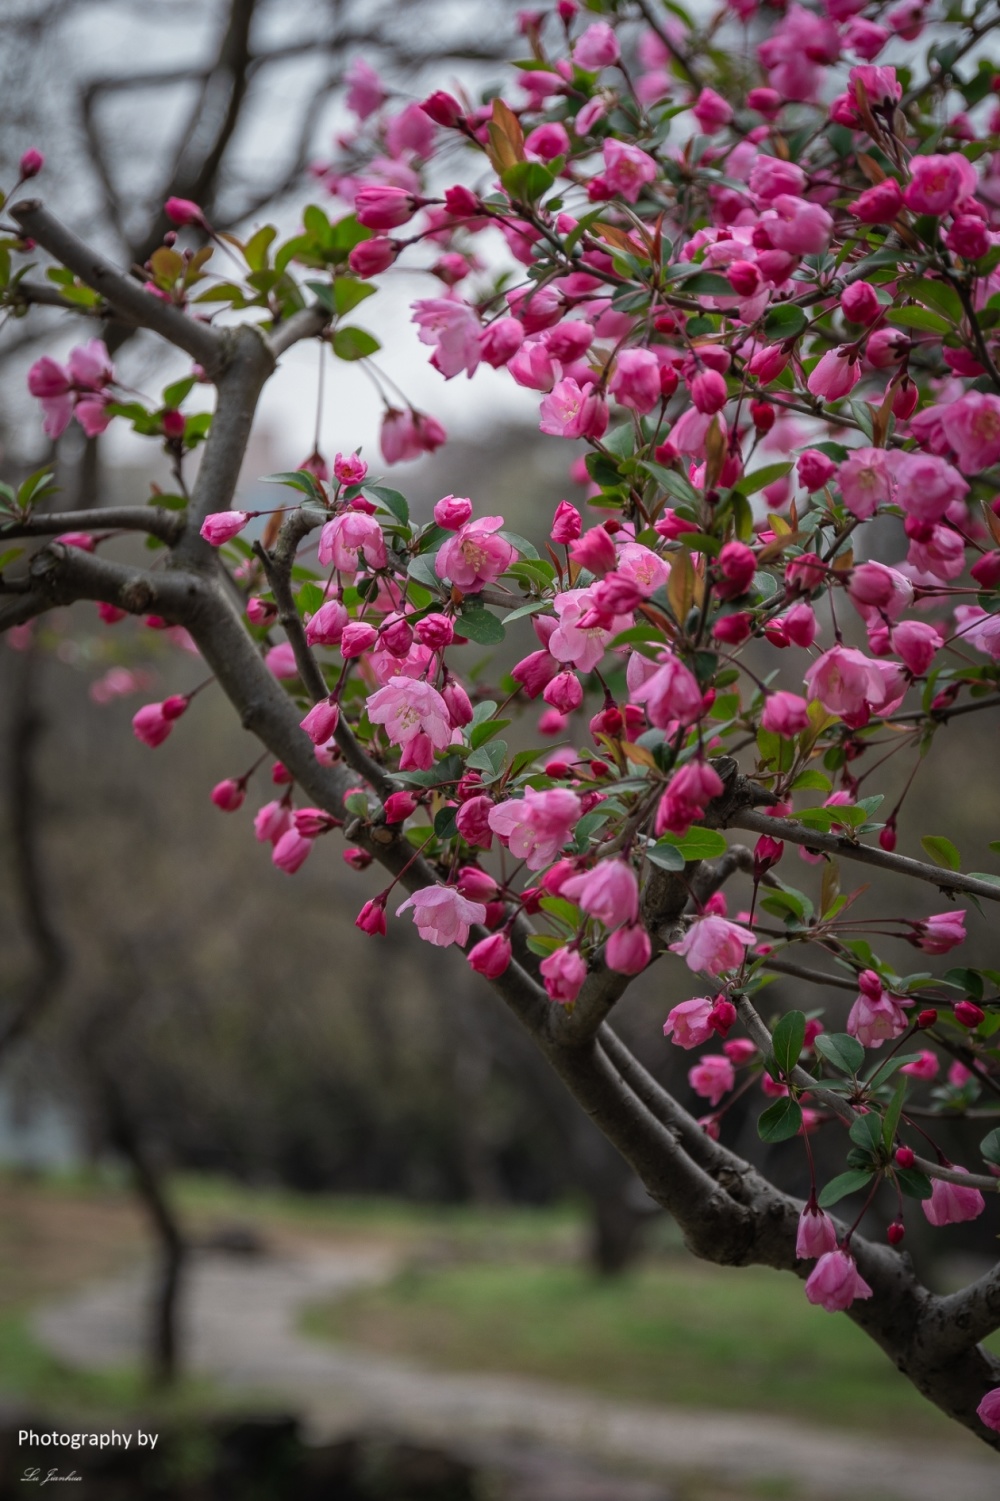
834,844
156,520
121,292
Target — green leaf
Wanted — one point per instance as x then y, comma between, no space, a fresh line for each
919,317
528,181
990,1146
914,1183
390,500
480,733
786,1043
522,545
297,479
480,626
316,222
489,758
666,856
444,823
352,343
785,322
781,1120
310,598
347,293
892,1114
935,294
178,391
840,1049
543,943
941,851
811,781
696,844
759,478
845,1183
256,248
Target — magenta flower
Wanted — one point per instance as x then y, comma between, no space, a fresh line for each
938,183
713,944
491,956
836,374
688,1023
951,1204
785,714
712,1077
989,1409
475,555
273,820
938,934
442,916
835,1282
407,435
452,512
536,826
326,627
690,791
636,381
291,851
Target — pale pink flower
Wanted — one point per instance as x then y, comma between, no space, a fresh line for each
878,591
938,934
915,642
442,916
290,851
411,130
563,974
876,1017
926,486
690,791
835,1282
365,93
453,329
596,48
845,681
627,169
569,642
406,435
938,183
797,226
475,555
346,536
785,714
609,892
536,826
645,568
950,1203
816,1235
628,950
271,821
713,944
836,374
865,482
636,381
688,1023
972,427
407,708
712,1077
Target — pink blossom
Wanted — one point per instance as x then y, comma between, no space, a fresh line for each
814,469
594,550
500,340
453,329
670,693
845,681
411,130
711,111
609,892
475,555
972,427
151,725
835,1282
876,1016
712,1077
290,851
365,93
988,1410
343,539
817,1234
627,169
572,411
636,381
371,918
563,974
435,630
491,956
874,588
452,512
936,550
879,204
865,482
222,526
566,523
713,944
938,183
924,1067
628,950
472,821
442,915
372,257
326,627
950,1203
596,48
564,692
570,642
915,643
785,714
940,933
690,791
321,721
384,207
836,374
927,486
797,226
535,366
548,141
688,1023
407,708
536,826
406,435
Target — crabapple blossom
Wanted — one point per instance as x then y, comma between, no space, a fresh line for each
835,1282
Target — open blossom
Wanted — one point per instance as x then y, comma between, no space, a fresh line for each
343,539
688,1023
574,411
690,791
475,555
450,325
926,486
563,974
972,427
670,693
407,708
712,1077
938,183
846,681
570,642
712,944
76,388
609,892
876,1017
835,1282
865,482
442,916
950,1203
536,826
627,169
816,1235
938,934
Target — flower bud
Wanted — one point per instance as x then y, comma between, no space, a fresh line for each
969,1014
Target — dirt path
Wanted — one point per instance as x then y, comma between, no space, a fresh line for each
241,1318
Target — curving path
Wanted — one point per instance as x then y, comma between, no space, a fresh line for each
242,1330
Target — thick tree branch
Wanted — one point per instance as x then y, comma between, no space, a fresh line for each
158,522
121,292
972,1314
794,833
307,324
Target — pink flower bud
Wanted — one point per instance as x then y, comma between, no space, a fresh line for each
229,795
321,721
173,424
151,725
396,635
291,851
357,859
476,884
594,550
817,1233
261,611
357,637
399,806
904,1156
435,631
880,204
732,629
273,820
859,302
182,212
814,469
349,469
327,626
453,512
371,918
372,257
31,164
708,391
491,956
384,207
969,1014
459,704
222,526
443,109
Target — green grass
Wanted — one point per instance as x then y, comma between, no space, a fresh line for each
680,1333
